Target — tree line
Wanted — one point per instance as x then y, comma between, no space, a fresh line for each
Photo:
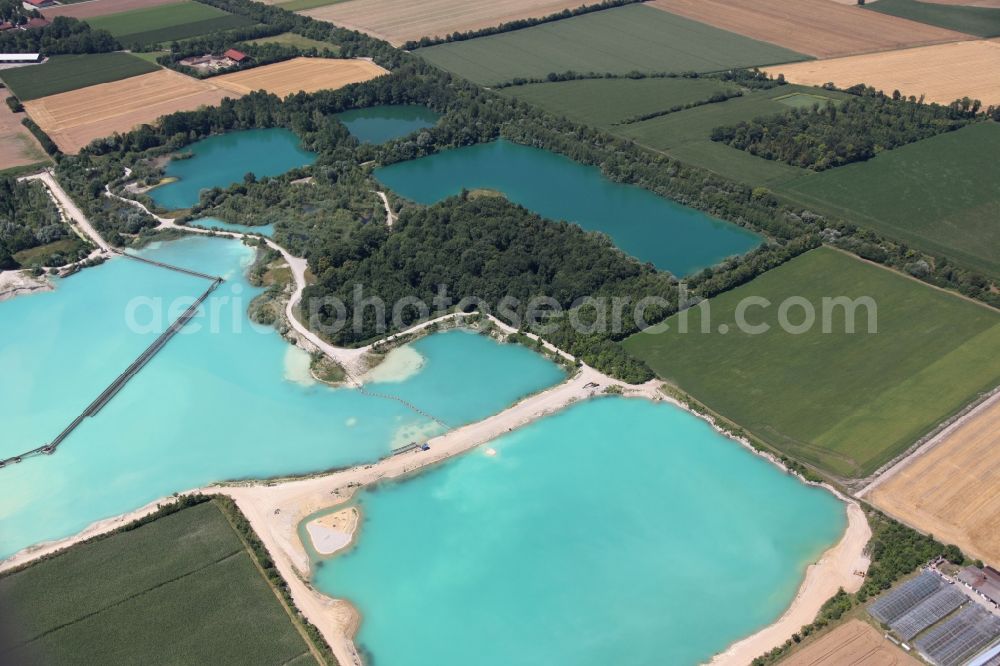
63,36
841,132
28,219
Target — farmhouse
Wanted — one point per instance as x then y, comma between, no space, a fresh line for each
38,4
237,57
20,58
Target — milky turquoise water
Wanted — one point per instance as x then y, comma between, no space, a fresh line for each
618,531
224,159
215,404
222,225
651,228
378,124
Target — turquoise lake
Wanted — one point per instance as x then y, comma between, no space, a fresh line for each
651,228
225,399
617,531
378,124
222,160
222,225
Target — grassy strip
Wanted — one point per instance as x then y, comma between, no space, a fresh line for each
71,72
302,5
979,21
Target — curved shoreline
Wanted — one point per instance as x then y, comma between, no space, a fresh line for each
275,509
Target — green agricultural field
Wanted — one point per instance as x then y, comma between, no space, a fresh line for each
617,40
846,403
70,72
182,589
165,23
291,39
604,102
979,21
686,134
939,194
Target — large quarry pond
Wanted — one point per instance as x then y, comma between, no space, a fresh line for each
225,399
649,227
224,159
378,124
618,531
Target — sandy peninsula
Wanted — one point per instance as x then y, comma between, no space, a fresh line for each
335,531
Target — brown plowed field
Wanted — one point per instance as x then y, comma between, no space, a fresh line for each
93,8
819,28
74,119
854,643
398,21
942,73
953,490
17,146
299,75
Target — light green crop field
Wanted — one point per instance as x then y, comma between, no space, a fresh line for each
619,40
292,39
165,23
940,194
686,134
844,402
63,73
603,102
182,589
302,5
979,21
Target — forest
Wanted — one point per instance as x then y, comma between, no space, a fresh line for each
28,219
854,130
495,252
63,36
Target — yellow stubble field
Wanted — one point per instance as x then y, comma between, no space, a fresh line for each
398,21
942,73
953,490
299,75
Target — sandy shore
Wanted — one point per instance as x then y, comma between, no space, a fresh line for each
335,531
21,283
275,509
834,570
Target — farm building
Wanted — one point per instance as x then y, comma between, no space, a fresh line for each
20,58
960,638
38,4
985,581
6,26
237,57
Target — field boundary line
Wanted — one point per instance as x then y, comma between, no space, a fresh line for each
256,563
931,440
126,599
950,292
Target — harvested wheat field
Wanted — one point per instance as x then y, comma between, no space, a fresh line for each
953,489
816,27
399,21
300,75
74,119
942,73
854,643
93,8
17,145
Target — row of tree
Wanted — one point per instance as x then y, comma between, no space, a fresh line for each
64,35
